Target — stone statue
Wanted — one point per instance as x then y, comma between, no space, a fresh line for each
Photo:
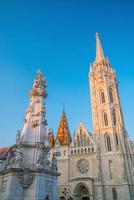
43,161
47,138
15,161
18,137
2,165
26,178
54,163
8,158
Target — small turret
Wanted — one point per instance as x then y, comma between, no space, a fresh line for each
52,142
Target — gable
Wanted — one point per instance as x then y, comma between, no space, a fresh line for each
82,137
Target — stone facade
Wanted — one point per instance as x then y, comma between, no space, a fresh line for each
98,166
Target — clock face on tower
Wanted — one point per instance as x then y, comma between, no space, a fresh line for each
82,166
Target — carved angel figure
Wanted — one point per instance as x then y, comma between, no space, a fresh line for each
54,163
47,138
15,161
2,165
18,137
43,161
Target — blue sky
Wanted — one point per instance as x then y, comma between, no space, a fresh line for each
59,38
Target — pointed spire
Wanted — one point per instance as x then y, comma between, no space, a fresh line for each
63,133
99,51
52,142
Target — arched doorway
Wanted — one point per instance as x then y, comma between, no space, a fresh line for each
81,192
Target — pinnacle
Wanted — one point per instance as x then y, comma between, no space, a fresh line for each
99,50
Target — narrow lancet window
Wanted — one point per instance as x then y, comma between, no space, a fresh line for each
116,138
108,143
111,95
105,119
102,97
114,194
110,169
114,117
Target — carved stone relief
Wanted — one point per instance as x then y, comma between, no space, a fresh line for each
82,166
26,178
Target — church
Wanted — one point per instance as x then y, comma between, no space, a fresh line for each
85,166
98,165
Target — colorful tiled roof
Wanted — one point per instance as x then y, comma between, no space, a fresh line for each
3,152
63,134
52,142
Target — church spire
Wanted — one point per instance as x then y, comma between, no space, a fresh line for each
99,51
63,134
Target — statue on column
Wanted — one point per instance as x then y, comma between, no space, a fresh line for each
43,161
15,162
47,138
18,137
2,165
54,163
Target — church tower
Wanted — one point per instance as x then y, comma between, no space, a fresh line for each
61,151
109,129
106,109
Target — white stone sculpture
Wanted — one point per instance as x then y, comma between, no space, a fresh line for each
47,138
16,161
2,165
18,137
54,163
43,161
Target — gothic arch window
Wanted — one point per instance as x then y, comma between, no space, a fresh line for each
78,151
71,152
81,150
114,194
78,141
110,169
85,150
85,142
105,119
75,142
64,153
102,97
81,140
114,118
111,95
75,151
88,150
117,140
108,143
88,141
92,149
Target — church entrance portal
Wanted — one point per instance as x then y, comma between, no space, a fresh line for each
85,198
81,192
